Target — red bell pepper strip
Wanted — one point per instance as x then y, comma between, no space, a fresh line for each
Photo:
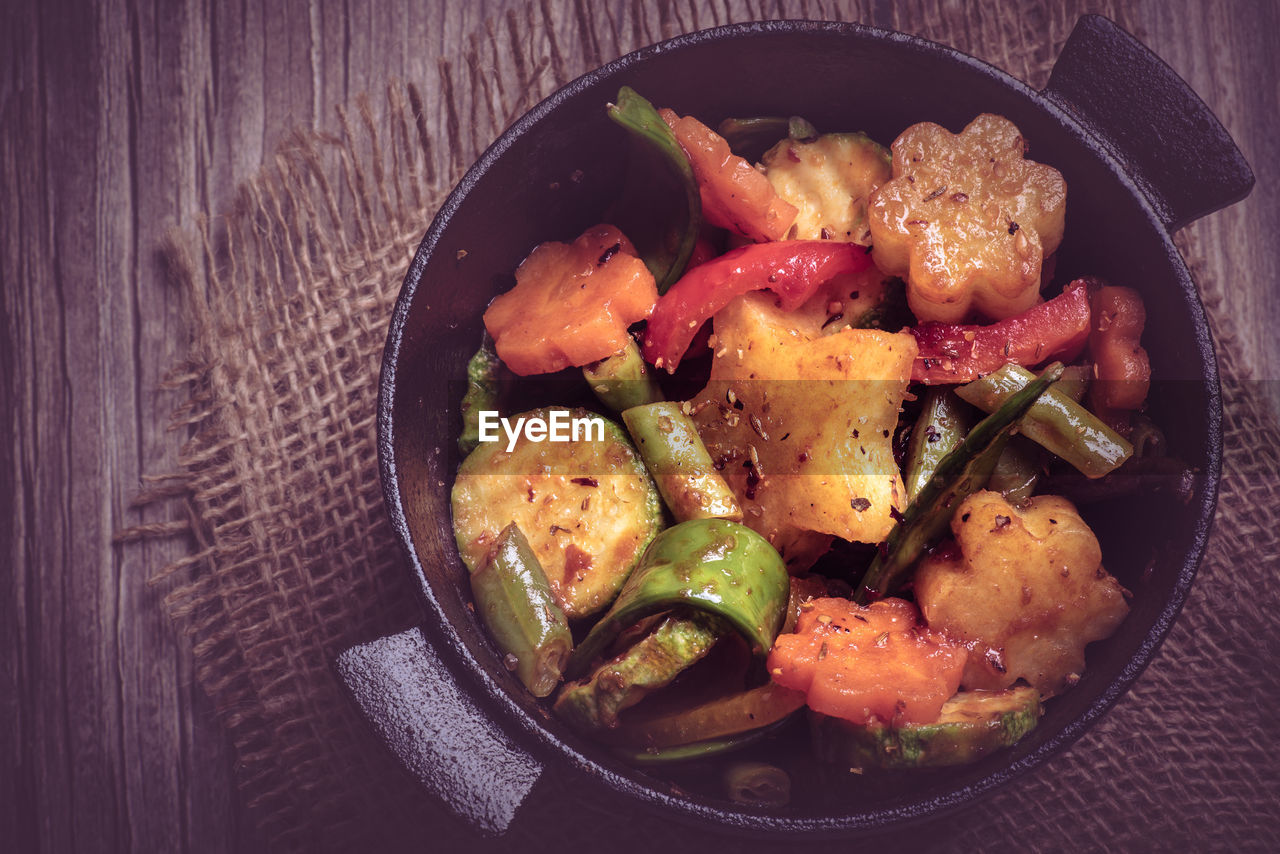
792,269
954,353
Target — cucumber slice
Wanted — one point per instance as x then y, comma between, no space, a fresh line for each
588,509
972,724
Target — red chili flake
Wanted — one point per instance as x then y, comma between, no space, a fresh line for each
608,253
753,479
585,481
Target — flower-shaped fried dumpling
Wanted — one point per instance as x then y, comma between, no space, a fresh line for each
966,220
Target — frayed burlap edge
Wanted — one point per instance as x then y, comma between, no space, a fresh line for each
289,293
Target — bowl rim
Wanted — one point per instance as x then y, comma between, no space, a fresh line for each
494,698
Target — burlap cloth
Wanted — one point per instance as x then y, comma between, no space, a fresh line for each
293,560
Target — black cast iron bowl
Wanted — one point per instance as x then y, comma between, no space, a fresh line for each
1141,155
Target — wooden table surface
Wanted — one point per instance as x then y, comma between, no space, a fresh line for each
121,119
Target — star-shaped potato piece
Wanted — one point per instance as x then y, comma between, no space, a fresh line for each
967,220
1027,591
799,424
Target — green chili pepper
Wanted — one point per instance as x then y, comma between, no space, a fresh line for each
711,565
658,173
623,380
482,393
1055,421
649,664
680,464
514,602
942,425
961,473
750,137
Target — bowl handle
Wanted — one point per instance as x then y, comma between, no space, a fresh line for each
406,694
1169,142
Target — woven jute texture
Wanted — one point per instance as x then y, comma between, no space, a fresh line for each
290,293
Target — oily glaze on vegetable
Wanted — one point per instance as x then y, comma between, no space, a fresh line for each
868,663
800,427
734,195
589,509
967,220
1027,591
572,303
785,459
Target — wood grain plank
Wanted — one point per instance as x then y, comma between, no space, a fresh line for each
1232,64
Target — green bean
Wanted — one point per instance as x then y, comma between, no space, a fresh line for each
1055,421
514,602
623,380
482,393
961,473
680,464
941,427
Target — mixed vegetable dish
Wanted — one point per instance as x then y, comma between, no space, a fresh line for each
844,409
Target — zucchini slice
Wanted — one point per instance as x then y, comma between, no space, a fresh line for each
972,724
587,507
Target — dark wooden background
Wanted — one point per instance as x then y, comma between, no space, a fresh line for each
122,118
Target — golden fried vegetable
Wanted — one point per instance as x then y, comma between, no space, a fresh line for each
829,180
967,220
1027,591
799,424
